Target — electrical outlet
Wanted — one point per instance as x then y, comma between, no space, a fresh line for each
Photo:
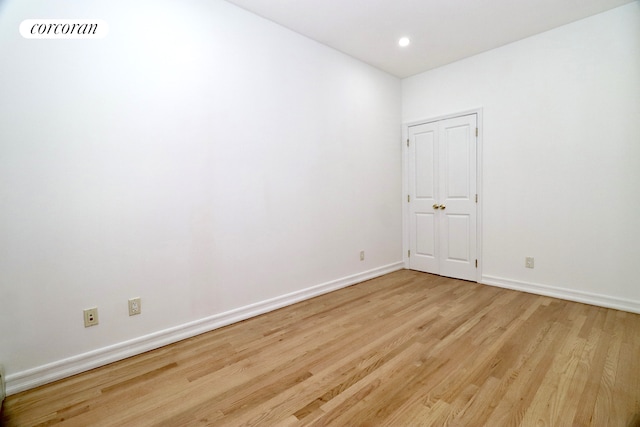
361,255
528,262
90,317
135,306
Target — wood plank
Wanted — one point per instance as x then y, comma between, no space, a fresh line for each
407,348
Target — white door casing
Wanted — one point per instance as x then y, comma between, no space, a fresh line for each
442,169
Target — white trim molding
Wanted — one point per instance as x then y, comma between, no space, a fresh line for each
44,374
564,293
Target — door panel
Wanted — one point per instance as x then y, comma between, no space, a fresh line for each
423,185
457,168
457,192
424,165
425,226
442,190
457,231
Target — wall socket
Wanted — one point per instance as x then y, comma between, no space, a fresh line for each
90,317
135,306
361,255
528,262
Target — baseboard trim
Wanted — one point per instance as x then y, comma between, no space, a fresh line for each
54,371
563,293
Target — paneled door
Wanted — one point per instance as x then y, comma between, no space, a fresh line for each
442,197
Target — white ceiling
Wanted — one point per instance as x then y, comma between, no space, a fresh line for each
441,31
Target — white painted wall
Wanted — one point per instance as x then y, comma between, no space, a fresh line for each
561,141
199,157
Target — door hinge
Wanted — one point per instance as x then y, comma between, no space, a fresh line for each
476,263
408,198
476,132
409,253
476,198
407,142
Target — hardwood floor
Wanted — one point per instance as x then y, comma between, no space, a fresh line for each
404,349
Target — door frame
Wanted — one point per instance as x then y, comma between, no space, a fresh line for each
405,182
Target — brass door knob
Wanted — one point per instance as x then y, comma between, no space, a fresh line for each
436,206
443,207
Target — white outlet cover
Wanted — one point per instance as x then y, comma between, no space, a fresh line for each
90,317
135,306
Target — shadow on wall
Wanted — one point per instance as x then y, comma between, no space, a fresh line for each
3,390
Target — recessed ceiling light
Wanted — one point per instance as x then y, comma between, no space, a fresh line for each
404,42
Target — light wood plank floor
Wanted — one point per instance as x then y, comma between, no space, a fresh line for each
402,350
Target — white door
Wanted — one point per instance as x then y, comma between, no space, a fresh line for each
442,197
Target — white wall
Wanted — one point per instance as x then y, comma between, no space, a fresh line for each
199,157
561,169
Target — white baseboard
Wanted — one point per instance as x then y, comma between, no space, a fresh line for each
44,374
563,293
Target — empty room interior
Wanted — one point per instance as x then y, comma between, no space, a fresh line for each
255,212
